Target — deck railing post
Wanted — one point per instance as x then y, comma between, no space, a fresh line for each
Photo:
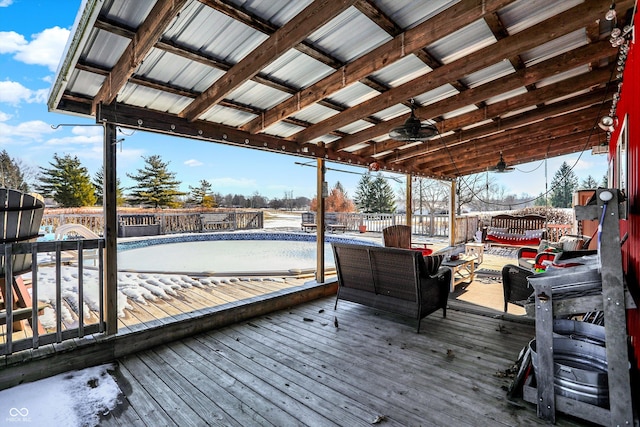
110,230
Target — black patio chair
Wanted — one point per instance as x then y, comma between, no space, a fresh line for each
515,285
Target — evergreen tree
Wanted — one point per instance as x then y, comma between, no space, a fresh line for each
98,184
67,182
156,186
383,195
202,195
364,194
588,183
11,173
374,195
563,185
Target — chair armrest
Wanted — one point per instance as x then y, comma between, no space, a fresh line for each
527,253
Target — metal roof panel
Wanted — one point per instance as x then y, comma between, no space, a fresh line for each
460,43
349,35
402,71
257,95
522,14
353,94
296,69
409,13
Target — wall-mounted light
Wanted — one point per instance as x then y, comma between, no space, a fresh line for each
607,123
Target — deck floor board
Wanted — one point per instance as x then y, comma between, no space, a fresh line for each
294,367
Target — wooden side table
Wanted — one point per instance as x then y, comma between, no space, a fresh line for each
474,250
462,270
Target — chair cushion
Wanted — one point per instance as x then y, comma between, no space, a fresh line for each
432,263
570,243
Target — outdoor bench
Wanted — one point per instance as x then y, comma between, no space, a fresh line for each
525,230
215,221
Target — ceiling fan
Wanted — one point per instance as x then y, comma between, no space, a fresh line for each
501,166
413,129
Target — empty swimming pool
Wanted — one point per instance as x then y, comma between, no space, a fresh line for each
226,254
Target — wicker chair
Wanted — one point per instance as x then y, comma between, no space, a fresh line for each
515,285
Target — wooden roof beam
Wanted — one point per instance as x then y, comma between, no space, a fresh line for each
289,35
449,20
523,119
149,32
577,17
528,153
548,68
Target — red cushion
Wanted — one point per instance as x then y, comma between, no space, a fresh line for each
514,241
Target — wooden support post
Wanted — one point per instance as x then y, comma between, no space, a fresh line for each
110,229
452,214
320,190
407,204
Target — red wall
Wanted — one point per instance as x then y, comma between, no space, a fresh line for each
629,106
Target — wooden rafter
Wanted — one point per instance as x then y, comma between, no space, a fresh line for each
531,75
563,23
293,32
149,32
404,44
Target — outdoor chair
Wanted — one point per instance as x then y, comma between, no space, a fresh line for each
20,219
74,232
399,236
515,286
533,258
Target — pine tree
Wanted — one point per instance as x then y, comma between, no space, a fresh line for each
98,184
11,173
564,183
383,195
364,194
156,186
589,183
374,195
201,195
67,182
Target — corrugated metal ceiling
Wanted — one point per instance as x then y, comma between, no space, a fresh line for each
306,93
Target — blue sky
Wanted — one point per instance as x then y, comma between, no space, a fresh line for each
33,34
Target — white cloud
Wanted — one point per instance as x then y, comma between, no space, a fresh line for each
193,163
14,93
45,48
4,116
30,131
5,3
11,42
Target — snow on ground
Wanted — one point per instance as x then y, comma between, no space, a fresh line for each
71,399
78,398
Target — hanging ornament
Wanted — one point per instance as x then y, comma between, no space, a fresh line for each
374,166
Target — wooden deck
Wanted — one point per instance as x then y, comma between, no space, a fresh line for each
295,367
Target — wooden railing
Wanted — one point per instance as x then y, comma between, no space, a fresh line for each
73,316
556,231
157,222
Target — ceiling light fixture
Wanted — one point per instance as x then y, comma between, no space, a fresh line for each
501,166
413,129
